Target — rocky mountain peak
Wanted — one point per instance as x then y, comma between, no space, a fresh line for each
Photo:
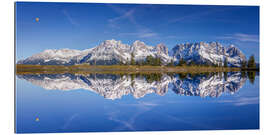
138,44
161,48
114,52
111,42
233,51
208,53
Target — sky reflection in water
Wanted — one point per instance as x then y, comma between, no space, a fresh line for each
101,103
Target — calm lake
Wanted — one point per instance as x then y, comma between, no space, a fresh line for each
159,102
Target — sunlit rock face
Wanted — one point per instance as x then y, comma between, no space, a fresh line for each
112,52
108,52
208,53
116,86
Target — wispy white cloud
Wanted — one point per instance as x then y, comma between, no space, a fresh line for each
240,37
142,104
123,15
70,120
242,101
190,17
198,15
70,19
145,35
128,15
172,37
113,116
140,34
187,121
129,123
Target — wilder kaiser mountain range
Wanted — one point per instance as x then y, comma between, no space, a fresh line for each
112,52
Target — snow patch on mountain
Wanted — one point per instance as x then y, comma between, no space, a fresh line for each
208,53
114,52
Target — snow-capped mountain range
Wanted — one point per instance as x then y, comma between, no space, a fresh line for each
113,52
115,86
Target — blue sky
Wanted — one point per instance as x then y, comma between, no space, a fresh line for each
85,25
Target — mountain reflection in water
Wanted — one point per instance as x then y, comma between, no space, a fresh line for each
113,86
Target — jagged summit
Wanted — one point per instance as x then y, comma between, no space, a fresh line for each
138,43
112,42
113,52
208,53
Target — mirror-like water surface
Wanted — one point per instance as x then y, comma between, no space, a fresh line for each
153,102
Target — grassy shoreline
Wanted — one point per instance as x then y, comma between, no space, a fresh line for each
117,69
